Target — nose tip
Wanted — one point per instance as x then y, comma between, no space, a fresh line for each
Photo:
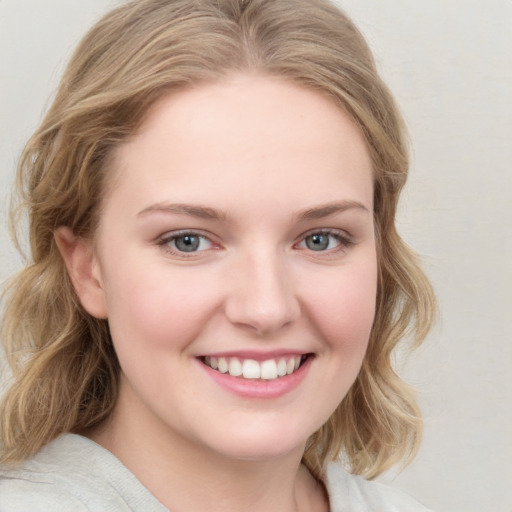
263,299
263,319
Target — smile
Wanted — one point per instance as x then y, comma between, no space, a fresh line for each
269,369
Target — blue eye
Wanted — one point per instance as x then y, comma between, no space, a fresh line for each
186,242
318,242
324,241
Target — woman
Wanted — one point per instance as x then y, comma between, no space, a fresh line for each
217,284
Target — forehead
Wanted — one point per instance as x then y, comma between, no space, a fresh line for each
248,135
252,102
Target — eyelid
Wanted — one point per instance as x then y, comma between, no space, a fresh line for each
164,240
344,238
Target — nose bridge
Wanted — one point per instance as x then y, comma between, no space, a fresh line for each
263,296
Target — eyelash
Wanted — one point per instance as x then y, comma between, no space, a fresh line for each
167,239
343,239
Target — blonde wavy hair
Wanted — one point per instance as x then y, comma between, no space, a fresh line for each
65,371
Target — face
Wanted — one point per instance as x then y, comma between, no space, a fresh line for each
235,260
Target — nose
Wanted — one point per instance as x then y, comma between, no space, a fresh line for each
262,296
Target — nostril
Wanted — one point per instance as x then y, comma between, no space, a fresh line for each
262,320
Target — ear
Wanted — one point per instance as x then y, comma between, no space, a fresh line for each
83,269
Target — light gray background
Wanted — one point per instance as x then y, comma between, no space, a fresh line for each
449,63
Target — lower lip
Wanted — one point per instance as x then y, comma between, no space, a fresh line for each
255,388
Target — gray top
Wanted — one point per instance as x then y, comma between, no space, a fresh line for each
74,474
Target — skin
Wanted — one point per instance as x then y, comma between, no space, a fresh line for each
277,163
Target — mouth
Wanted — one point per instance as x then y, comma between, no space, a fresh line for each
246,368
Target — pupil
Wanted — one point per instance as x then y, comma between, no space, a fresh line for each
187,243
317,242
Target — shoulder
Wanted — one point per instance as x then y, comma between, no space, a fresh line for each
74,474
351,493
19,494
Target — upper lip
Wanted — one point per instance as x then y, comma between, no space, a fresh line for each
257,355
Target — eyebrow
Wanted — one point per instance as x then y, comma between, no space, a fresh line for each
205,212
201,212
319,212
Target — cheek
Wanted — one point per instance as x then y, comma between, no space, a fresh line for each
343,307
159,308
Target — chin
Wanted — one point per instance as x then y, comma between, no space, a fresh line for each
261,444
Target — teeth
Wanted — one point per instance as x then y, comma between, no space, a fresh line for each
250,369
235,367
269,370
223,365
281,367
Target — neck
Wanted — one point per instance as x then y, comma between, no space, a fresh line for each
184,476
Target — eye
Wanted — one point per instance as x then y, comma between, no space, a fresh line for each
186,242
325,241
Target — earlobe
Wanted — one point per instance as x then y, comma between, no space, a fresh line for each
84,271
